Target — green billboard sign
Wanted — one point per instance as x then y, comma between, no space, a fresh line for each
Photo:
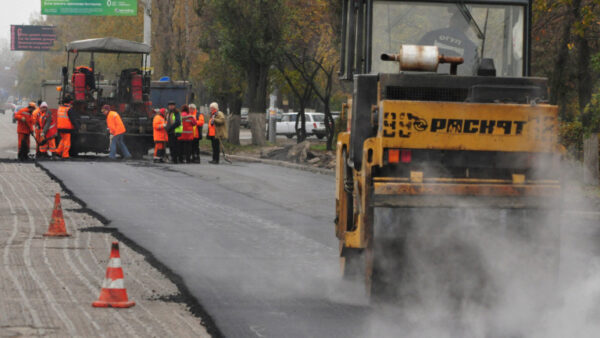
90,7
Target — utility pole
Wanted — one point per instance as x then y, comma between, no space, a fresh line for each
148,26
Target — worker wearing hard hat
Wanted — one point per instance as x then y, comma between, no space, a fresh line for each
117,132
161,138
24,129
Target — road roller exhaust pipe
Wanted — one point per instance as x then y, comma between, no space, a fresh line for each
422,58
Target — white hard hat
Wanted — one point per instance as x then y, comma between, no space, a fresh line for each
43,104
192,106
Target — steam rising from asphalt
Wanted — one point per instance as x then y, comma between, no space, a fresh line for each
492,273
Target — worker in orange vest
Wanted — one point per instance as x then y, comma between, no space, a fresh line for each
216,131
67,124
24,129
117,133
197,133
188,121
161,137
35,119
48,130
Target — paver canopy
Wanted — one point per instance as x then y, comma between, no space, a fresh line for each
108,45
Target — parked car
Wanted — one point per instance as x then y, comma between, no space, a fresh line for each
314,124
318,125
244,118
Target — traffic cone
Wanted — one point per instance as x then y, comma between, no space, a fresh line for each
113,292
57,224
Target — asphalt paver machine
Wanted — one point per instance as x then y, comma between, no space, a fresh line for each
128,92
444,118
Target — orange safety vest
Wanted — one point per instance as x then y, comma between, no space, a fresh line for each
53,129
199,124
63,120
212,131
160,133
114,123
187,121
24,127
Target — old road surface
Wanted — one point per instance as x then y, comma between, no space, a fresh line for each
48,284
253,243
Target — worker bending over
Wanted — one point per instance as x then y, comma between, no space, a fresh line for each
24,129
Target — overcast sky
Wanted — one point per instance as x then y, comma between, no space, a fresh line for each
16,12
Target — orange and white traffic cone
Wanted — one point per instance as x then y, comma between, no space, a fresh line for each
113,292
57,224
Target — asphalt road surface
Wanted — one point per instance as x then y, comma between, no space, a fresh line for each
254,243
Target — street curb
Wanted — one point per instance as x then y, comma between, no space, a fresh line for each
285,164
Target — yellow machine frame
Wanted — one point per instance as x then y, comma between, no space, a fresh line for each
443,126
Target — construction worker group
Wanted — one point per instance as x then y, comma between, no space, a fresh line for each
181,130
178,129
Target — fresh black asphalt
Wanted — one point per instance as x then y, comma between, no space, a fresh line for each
253,243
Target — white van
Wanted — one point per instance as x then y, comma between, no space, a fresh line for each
315,124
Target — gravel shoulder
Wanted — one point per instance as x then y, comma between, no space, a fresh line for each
47,285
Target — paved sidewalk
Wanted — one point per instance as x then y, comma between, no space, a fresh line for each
47,285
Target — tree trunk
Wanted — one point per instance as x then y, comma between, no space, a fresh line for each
558,80
329,124
584,73
590,160
235,105
257,123
234,129
164,36
256,96
301,123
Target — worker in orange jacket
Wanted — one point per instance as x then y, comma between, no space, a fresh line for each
117,133
161,137
67,123
24,129
197,133
48,129
35,119
188,121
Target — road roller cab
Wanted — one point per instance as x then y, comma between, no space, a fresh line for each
443,115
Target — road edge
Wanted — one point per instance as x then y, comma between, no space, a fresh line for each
194,306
